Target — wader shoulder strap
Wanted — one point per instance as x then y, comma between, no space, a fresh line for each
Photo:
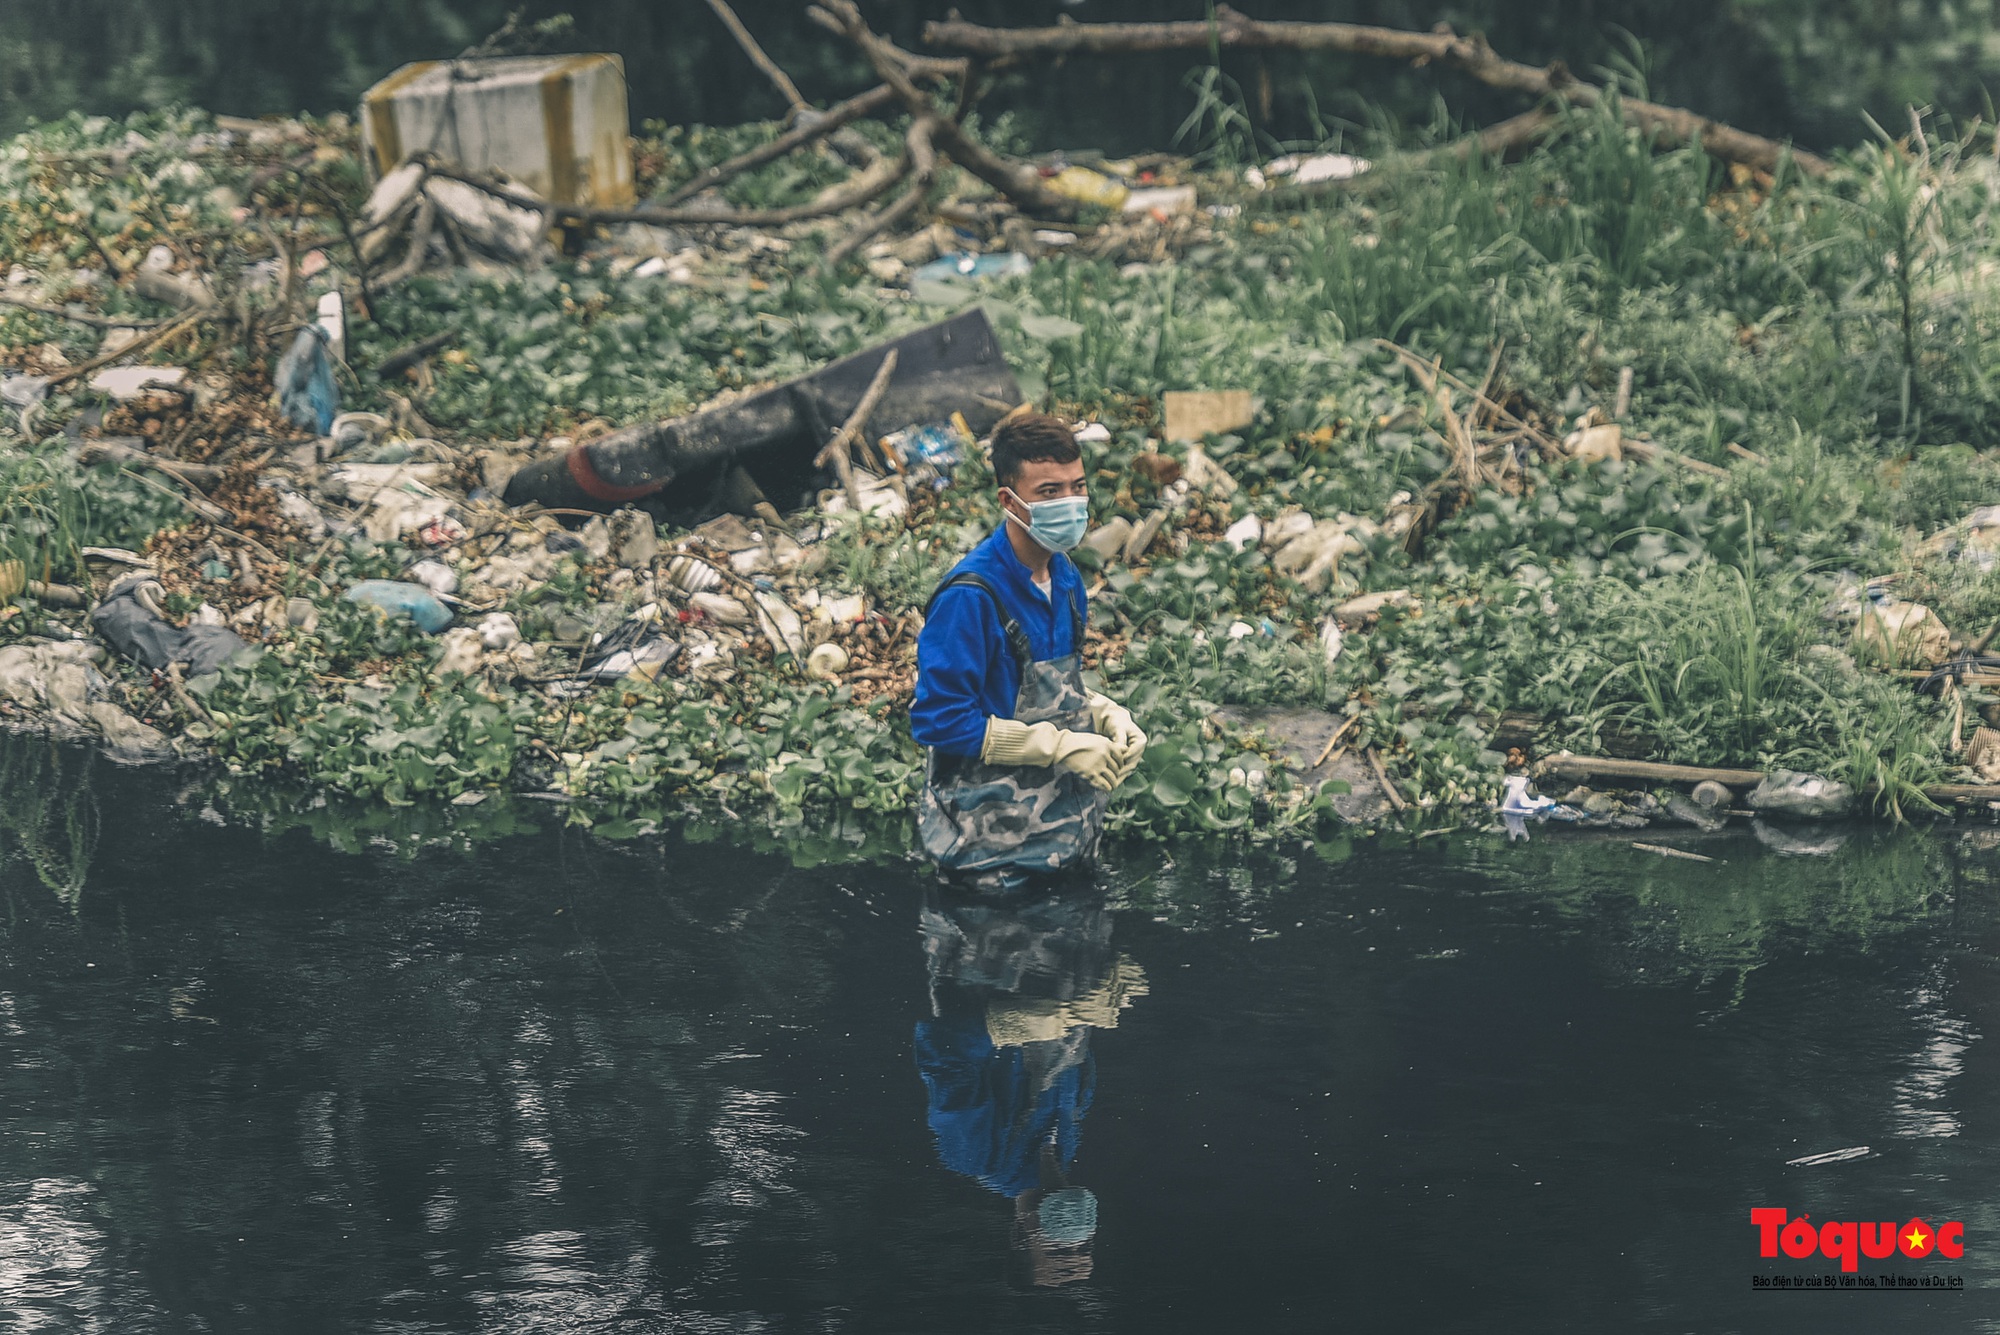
1017,639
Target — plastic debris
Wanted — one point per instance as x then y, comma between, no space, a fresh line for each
644,661
1160,201
1205,475
1108,540
1368,604
125,383
953,270
443,531
460,650
398,598
498,631
826,661
132,618
1596,444
1193,414
780,624
434,575
331,320
693,575
1789,793
1689,812
846,610
1331,640
1089,187
940,447
1245,532
1712,795
1310,170
307,393
557,124
1517,801
1901,634
1143,535
720,607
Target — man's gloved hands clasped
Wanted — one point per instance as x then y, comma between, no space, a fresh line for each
1012,742
1128,743
1105,758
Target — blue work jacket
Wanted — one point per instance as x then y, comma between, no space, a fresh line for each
965,671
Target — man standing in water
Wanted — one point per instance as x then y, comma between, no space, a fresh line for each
1022,757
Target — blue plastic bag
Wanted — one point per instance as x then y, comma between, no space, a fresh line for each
396,598
307,393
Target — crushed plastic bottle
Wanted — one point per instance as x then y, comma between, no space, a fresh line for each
1517,801
398,598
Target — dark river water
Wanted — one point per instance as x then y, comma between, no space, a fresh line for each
544,1082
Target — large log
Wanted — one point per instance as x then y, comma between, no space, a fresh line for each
1646,771
1233,30
1602,767
953,366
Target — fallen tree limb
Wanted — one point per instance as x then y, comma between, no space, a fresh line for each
1646,771
1504,137
922,168
134,348
202,477
74,316
811,127
767,66
1016,180
1472,55
1388,785
836,451
851,197
412,354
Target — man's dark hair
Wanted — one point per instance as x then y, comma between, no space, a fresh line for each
1031,438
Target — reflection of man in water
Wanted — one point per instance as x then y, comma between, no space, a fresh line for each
1015,991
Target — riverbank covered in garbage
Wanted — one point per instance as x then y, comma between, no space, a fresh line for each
1610,451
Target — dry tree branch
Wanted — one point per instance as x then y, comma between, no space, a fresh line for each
421,224
779,79
851,197
836,450
1016,180
922,160
135,347
1471,54
76,317
816,126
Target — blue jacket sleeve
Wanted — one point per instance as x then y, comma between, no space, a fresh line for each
955,654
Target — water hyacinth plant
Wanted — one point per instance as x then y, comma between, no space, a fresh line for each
1809,365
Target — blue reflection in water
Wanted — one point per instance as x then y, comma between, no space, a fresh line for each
1016,989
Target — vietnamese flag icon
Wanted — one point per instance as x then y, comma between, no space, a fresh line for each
1917,1239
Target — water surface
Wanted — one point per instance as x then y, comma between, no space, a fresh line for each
541,1082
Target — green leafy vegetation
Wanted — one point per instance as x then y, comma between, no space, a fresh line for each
1682,603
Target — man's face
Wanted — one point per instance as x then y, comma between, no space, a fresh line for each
1043,480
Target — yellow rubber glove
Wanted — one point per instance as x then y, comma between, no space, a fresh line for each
1128,740
1115,721
1012,742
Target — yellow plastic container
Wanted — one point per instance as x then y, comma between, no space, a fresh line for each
556,124
1088,187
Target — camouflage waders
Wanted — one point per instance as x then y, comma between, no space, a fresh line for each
976,818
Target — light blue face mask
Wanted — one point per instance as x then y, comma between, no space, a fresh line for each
1058,524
